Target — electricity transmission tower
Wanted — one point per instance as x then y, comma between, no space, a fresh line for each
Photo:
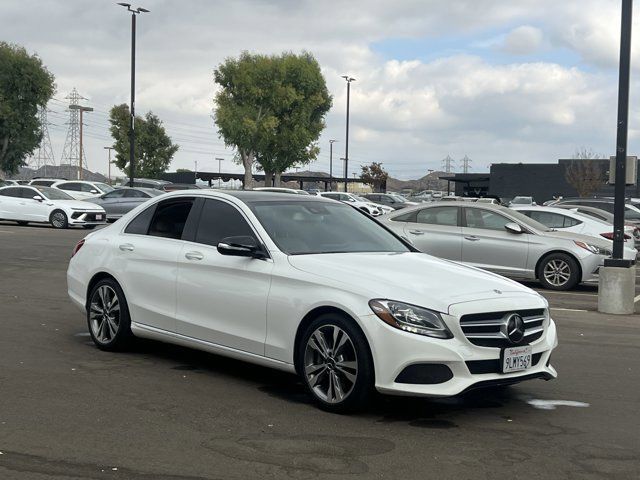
71,151
44,156
466,164
447,164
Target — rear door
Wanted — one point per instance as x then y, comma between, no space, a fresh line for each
436,231
10,204
487,244
147,261
34,210
222,299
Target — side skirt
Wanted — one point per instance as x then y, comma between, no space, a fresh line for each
145,331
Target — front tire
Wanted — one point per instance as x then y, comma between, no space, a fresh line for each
559,271
335,364
108,316
58,219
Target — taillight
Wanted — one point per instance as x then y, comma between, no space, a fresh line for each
77,247
609,235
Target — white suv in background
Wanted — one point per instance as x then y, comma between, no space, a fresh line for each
81,190
372,209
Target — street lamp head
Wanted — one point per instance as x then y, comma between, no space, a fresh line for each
126,5
348,78
333,141
143,10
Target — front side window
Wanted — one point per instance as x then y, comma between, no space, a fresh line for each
87,187
485,219
219,220
140,224
104,187
308,227
170,218
332,196
405,217
446,216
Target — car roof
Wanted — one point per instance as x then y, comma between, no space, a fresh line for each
249,196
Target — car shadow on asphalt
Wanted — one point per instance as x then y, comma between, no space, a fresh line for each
416,411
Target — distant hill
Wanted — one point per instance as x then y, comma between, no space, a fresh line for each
67,172
428,182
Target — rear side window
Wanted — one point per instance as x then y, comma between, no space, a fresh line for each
11,192
140,224
135,194
219,220
332,196
73,187
115,194
446,216
170,218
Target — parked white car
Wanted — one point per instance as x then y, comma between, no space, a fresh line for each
27,203
81,190
571,221
363,204
308,285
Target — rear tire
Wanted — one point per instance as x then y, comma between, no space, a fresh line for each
335,364
559,271
108,316
58,219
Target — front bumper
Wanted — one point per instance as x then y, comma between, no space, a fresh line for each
398,350
88,218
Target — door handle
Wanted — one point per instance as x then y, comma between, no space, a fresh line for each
194,256
126,247
416,232
473,238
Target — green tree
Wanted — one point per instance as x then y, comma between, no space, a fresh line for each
25,84
374,175
271,109
154,149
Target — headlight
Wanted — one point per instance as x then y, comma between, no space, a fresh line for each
410,318
593,248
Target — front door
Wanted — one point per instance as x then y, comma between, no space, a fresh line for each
487,244
222,299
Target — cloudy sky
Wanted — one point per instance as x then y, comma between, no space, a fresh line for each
497,80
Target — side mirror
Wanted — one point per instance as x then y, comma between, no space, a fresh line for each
513,227
38,198
94,191
242,246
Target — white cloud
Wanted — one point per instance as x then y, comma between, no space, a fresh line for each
408,114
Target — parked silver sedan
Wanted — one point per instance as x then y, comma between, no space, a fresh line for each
123,200
504,241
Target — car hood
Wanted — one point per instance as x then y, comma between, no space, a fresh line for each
77,204
598,242
411,277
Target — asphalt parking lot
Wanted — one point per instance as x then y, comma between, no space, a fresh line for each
159,412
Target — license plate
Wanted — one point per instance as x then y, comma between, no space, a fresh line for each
99,216
516,359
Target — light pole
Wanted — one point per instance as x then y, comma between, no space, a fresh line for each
346,140
109,174
132,135
331,142
82,110
220,160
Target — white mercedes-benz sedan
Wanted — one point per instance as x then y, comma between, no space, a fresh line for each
311,286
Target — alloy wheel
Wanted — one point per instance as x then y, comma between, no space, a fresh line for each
330,364
58,219
557,272
104,314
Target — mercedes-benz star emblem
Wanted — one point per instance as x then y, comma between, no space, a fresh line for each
515,328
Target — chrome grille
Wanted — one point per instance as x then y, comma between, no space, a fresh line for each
488,329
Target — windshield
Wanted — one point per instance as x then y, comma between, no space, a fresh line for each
308,227
53,193
522,200
104,187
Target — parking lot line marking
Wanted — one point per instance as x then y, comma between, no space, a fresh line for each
635,300
569,309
